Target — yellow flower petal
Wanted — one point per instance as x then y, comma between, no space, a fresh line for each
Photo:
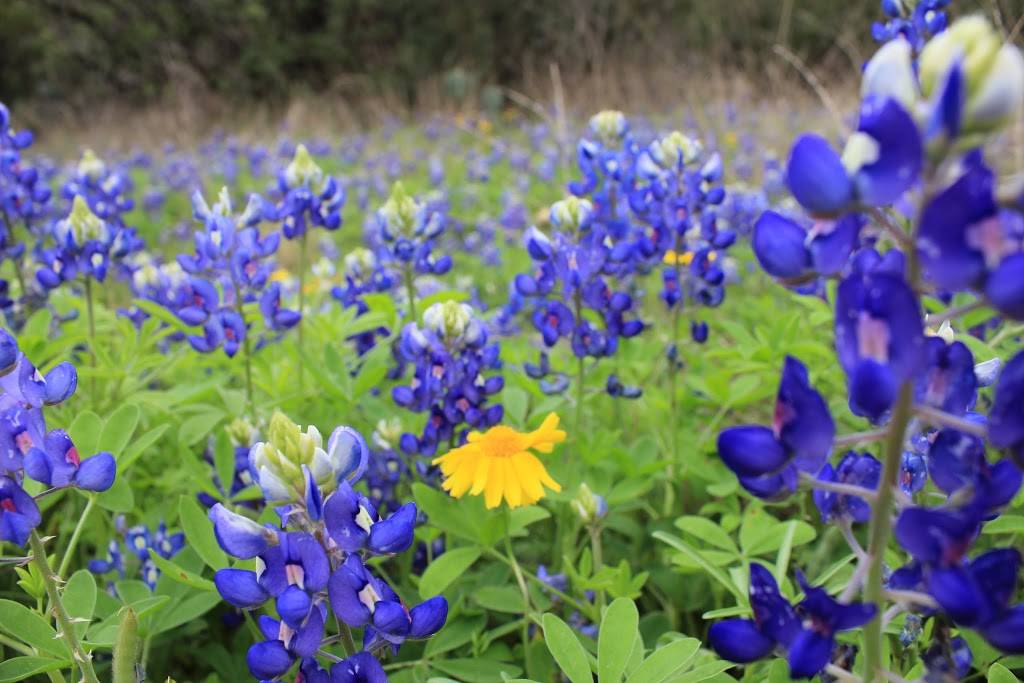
513,491
495,486
481,476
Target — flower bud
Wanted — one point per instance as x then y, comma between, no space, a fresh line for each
571,213
588,505
993,73
449,320
81,225
400,212
387,433
277,462
91,166
359,263
241,432
675,149
302,170
609,125
890,73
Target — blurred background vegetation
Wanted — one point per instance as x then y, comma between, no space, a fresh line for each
60,58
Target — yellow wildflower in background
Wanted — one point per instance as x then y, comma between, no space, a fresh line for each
498,463
685,258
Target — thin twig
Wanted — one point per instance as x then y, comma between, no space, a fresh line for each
939,418
815,83
891,229
854,438
912,598
841,674
837,487
936,319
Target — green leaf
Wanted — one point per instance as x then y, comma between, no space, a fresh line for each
476,670
79,598
567,650
189,609
523,517
199,532
506,599
516,402
29,627
453,635
198,427
997,673
176,573
119,497
785,550
707,531
1005,524
619,629
119,429
703,672
666,661
445,569
695,555
139,446
20,668
85,432
224,460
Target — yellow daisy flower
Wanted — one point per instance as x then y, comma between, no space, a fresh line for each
498,463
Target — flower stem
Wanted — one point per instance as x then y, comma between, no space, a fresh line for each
881,525
410,291
69,552
598,555
524,632
302,304
66,628
91,317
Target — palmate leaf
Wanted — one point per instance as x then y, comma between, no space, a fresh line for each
567,650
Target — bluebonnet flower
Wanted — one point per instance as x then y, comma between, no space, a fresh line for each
575,257
768,460
966,242
407,229
1006,418
310,197
363,275
313,566
24,197
806,632
879,339
28,449
139,542
914,21
855,469
452,356
549,381
231,253
616,388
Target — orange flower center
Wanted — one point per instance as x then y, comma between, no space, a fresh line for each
502,442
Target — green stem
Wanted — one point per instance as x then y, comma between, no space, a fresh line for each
302,304
881,513
64,625
16,646
91,316
410,291
347,641
247,353
533,578
598,555
517,570
69,552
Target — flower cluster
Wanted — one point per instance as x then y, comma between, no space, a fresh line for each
28,449
914,20
363,275
408,229
919,384
230,252
24,199
451,355
570,266
309,196
139,541
92,237
315,564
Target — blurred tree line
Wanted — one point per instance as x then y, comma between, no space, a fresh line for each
74,51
